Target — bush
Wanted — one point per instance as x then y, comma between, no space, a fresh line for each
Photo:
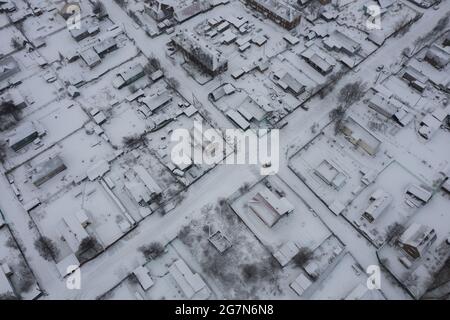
302,257
46,248
394,231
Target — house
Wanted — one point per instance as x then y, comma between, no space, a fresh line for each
138,191
416,240
379,202
419,193
360,136
279,12
330,175
71,231
223,90
286,252
269,207
142,274
340,42
46,170
416,78
319,59
300,284
129,75
429,125
23,135
437,56
238,119
105,46
153,103
289,83
158,74
85,31
190,283
90,57
159,9
7,6
147,179
208,59
382,105
291,39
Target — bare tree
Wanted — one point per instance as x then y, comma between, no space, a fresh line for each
46,248
302,257
173,83
16,43
394,231
351,93
337,115
2,151
152,250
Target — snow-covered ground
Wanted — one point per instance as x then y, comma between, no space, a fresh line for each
86,152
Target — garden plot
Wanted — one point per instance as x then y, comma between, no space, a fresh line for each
405,144
35,100
25,64
230,33
260,100
35,27
159,142
58,120
243,271
384,202
65,163
4,21
12,40
61,43
146,110
159,279
16,278
348,281
416,275
94,95
295,226
86,211
70,72
334,170
125,185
